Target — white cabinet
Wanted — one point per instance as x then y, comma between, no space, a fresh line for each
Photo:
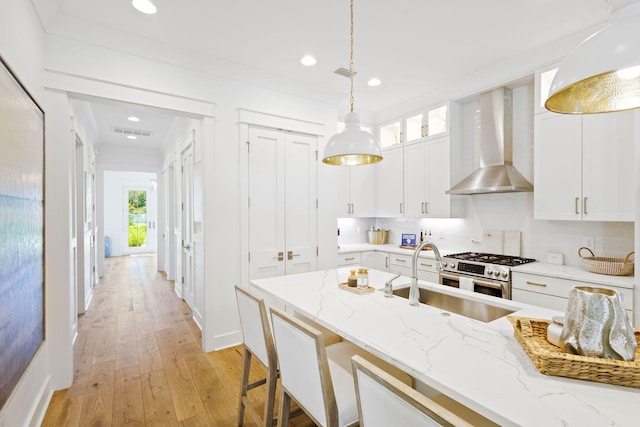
415,174
357,195
583,165
553,292
376,259
400,264
427,178
390,183
427,270
353,258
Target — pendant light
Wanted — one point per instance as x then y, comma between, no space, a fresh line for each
603,73
353,146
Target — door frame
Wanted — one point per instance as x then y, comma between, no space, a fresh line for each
248,118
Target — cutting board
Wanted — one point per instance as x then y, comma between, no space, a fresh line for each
492,242
501,242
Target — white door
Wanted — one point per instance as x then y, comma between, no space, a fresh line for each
415,179
390,183
282,203
139,220
188,290
438,168
300,203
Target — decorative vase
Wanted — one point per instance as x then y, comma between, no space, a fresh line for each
596,325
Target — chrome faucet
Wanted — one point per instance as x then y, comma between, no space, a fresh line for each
414,293
388,287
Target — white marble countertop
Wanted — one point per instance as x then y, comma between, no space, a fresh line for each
479,364
574,273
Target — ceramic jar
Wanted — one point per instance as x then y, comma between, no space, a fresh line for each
596,325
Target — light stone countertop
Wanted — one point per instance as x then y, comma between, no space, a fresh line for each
394,249
479,364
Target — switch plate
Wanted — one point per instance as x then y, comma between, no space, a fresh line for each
588,242
553,258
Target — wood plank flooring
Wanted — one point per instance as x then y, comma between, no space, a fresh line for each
138,360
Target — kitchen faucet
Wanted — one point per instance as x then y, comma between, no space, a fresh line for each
413,291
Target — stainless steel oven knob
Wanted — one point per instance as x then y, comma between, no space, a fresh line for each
489,272
444,264
504,273
452,265
496,273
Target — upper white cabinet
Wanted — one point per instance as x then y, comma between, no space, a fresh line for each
427,177
583,165
415,174
390,183
357,196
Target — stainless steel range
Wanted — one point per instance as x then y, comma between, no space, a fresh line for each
489,273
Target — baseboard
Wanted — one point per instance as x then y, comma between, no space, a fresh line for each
42,404
232,339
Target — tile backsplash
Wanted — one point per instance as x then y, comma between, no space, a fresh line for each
506,211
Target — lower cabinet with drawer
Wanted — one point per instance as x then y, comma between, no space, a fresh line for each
353,258
553,292
400,264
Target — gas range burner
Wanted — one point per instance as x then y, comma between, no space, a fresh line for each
506,260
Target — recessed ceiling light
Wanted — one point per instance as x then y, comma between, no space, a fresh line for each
132,137
145,6
374,82
308,60
133,119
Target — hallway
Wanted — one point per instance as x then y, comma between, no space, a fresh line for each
138,360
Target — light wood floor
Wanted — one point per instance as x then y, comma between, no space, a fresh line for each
138,360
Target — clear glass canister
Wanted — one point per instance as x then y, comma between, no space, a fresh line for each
363,279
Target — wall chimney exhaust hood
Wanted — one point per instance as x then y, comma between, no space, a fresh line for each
496,173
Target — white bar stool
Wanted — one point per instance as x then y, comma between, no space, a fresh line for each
258,342
312,375
384,401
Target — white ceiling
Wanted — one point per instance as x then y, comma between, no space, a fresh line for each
413,46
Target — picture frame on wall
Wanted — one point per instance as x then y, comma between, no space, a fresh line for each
22,278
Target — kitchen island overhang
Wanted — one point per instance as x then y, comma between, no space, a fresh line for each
479,364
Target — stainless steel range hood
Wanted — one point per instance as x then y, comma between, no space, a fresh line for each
496,173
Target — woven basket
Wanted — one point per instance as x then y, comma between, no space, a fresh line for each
550,360
603,265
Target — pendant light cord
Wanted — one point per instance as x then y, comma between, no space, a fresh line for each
351,57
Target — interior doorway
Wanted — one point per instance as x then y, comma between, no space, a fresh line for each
130,212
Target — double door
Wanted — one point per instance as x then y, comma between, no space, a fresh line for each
282,202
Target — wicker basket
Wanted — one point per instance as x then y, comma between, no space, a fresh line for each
550,360
603,265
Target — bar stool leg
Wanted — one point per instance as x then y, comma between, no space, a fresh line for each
244,385
272,380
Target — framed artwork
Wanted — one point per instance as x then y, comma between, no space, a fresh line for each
21,230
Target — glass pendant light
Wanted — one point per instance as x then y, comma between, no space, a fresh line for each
353,146
603,73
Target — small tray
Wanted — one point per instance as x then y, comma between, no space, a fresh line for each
413,248
550,360
355,289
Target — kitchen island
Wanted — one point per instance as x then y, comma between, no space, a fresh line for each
479,364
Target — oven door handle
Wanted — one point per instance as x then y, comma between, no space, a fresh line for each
495,285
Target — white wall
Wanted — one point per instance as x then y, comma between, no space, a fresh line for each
88,69
21,47
115,183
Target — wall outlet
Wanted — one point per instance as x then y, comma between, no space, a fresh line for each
553,258
588,242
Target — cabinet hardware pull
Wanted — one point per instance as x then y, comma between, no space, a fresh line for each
280,256
386,262
290,255
401,208
544,285
426,207
584,206
349,259
401,260
426,265
577,200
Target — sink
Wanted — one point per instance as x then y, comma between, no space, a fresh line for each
478,310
